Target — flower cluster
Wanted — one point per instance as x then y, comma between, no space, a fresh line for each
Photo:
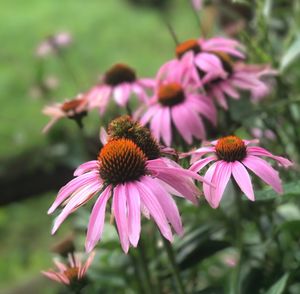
133,174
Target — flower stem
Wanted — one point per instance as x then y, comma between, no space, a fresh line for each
175,270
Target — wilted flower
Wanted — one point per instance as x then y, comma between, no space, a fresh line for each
75,109
136,183
71,274
53,43
176,102
119,82
233,156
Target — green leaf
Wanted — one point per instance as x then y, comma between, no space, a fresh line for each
291,55
279,286
291,227
289,189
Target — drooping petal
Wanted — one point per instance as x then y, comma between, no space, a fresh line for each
121,93
166,131
121,215
255,150
263,170
96,222
167,203
180,124
242,178
206,188
76,201
134,213
155,209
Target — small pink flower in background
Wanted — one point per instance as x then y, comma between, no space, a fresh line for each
136,184
72,273
53,43
260,134
119,82
197,4
240,77
176,102
200,59
74,109
232,156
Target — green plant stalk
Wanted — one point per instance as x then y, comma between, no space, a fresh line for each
176,274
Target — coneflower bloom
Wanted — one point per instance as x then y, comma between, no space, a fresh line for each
232,156
119,82
200,58
176,102
72,274
124,172
74,109
240,76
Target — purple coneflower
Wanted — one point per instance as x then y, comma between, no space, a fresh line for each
233,156
136,183
71,274
119,82
74,109
176,102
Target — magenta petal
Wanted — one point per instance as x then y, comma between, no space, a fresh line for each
76,200
166,131
155,209
167,203
120,212
198,165
96,222
220,179
263,170
208,190
242,178
155,124
134,213
86,167
255,150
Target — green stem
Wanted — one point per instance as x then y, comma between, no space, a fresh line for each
174,267
144,265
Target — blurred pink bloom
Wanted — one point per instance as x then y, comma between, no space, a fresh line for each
259,133
200,58
74,109
240,77
197,4
73,272
53,43
231,156
176,102
135,184
119,82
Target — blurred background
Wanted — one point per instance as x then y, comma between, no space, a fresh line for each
94,35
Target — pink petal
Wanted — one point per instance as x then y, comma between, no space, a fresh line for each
86,167
166,131
120,213
167,203
134,213
255,150
155,209
96,222
242,178
76,200
72,186
103,136
155,124
121,93
263,170
87,264
198,165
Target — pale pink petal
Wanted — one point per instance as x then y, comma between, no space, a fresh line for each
263,170
206,188
255,150
180,124
155,209
86,167
167,203
152,110
96,222
166,131
103,136
242,178
87,264
134,213
121,216
155,124
121,93
198,165
74,203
